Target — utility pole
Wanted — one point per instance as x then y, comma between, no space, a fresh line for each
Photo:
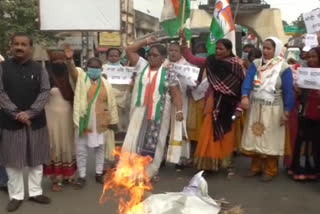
85,48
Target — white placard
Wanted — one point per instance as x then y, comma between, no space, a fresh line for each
119,75
201,90
312,21
93,15
311,40
188,75
309,78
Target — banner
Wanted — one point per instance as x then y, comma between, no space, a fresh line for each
188,75
93,15
309,78
118,75
312,21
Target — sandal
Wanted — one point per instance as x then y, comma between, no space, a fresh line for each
231,173
57,187
80,183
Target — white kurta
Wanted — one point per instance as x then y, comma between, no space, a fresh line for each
93,139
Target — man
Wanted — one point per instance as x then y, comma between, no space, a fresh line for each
94,114
24,90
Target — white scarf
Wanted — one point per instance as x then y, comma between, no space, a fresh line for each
267,75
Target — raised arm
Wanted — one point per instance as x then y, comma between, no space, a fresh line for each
132,51
69,52
198,61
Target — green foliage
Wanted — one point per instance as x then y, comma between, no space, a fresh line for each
299,22
21,16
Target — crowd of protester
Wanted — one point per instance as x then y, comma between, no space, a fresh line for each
51,116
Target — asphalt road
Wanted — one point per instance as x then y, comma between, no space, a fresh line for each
281,196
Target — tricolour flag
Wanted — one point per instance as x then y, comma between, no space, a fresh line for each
222,25
171,17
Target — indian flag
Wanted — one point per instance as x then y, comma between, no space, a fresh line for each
222,25
173,18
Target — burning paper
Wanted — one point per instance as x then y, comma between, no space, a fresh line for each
128,181
193,199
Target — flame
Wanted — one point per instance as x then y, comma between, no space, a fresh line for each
129,180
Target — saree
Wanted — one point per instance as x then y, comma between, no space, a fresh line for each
217,138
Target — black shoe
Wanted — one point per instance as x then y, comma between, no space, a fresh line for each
163,164
40,199
80,183
13,205
179,167
100,178
4,189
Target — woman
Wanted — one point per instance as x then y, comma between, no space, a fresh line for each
268,95
155,87
217,138
122,94
309,126
95,114
60,126
178,133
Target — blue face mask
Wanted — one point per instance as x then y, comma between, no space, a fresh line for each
94,73
201,55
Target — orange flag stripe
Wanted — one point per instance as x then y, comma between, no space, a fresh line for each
176,5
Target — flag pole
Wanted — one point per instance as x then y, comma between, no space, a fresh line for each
183,13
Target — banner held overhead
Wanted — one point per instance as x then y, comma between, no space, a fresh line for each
84,15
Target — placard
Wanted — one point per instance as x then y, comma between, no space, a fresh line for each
93,15
311,40
312,21
187,74
118,75
201,90
309,78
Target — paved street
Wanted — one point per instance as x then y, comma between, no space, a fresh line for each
282,196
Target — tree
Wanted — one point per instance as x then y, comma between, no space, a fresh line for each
21,16
299,22
284,23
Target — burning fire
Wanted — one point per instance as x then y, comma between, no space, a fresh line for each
128,181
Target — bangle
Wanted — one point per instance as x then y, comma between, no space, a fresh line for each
178,112
239,109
